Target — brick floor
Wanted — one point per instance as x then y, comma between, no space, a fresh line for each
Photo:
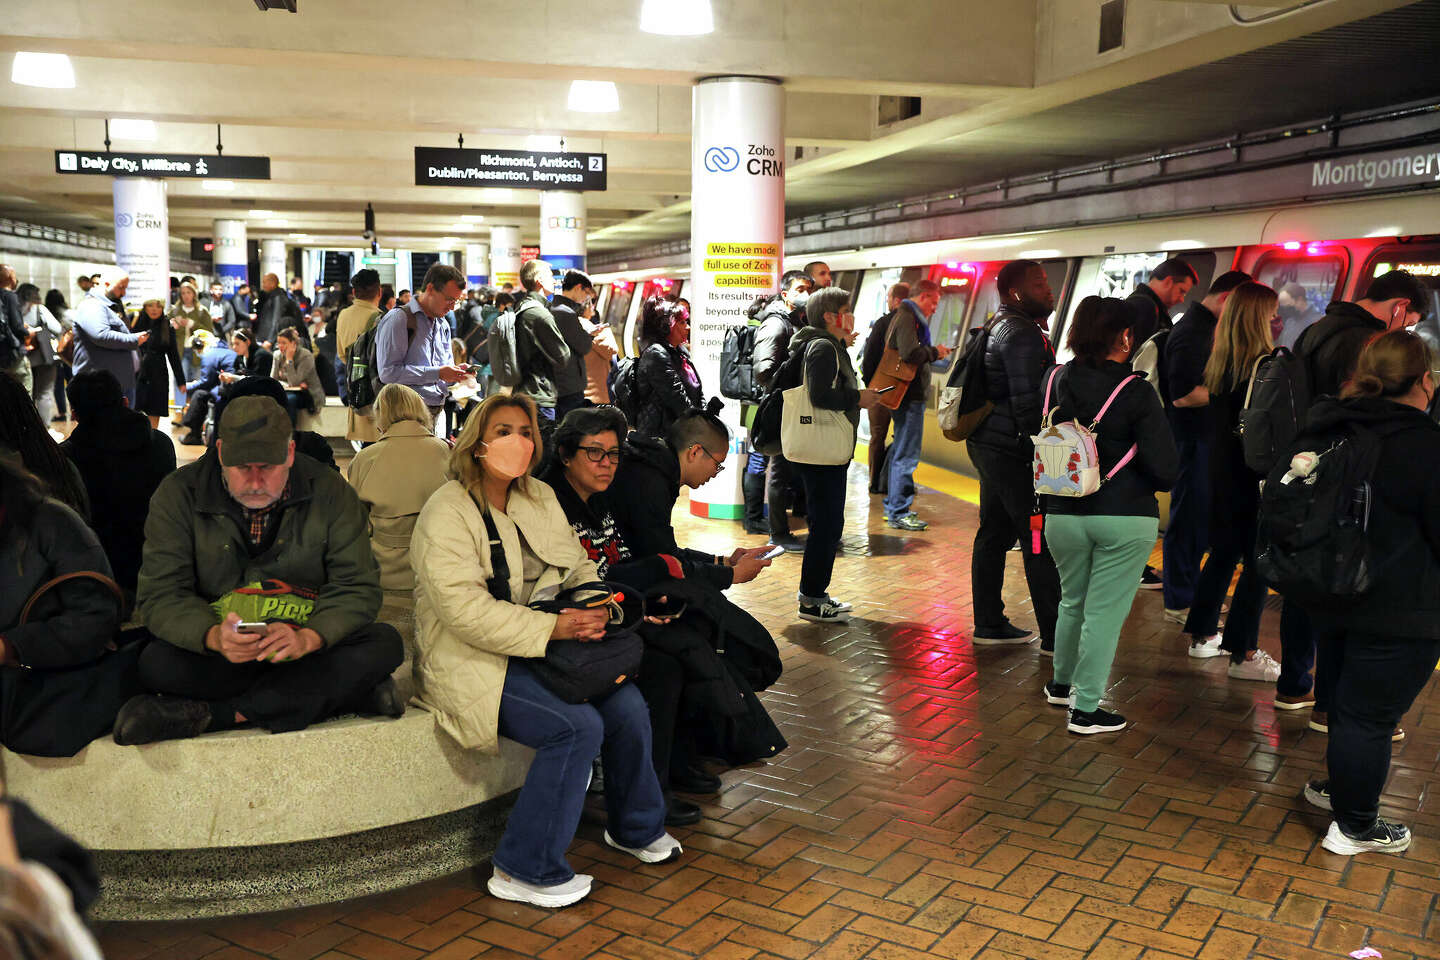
932,805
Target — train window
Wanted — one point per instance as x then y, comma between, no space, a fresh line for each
621,293
1424,263
1306,285
849,280
947,324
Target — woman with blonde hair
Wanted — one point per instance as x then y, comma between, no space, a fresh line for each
395,476
1241,338
1376,652
472,649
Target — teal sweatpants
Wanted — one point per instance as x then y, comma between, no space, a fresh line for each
1100,560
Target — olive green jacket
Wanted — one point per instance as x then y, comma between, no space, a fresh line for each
197,550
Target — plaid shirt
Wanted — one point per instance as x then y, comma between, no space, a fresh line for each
261,520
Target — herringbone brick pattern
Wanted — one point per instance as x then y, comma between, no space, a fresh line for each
931,804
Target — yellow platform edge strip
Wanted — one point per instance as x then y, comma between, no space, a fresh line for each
948,482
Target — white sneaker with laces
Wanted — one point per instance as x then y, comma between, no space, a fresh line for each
1205,649
840,606
663,850
1263,667
506,887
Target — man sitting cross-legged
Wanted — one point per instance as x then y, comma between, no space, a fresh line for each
259,583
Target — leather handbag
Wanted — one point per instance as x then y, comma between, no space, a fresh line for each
49,585
892,372
578,671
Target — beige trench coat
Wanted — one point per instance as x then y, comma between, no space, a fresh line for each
394,478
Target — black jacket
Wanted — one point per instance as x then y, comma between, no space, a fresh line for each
122,461
1187,350
1404,533
772,341
829,374
598,531
1150,315
1332,345
12,330
161,348
649,474
570,377
540,350
258,362
1017,355
1234,487
665,388
1135,417
274,311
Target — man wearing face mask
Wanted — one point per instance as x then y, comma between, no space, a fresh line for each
260,587
568,307
909,336
1016,358
778,321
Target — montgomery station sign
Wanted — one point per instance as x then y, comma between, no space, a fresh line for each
188,165
1381,170
524,169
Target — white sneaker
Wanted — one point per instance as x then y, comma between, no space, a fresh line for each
1205,649
840,606
1176,616
1263,668
663,850
824,612
575,889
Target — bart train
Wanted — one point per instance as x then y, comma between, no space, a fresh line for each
1332,250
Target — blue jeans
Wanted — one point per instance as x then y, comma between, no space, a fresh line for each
825,495
1189,529
566,738
909,424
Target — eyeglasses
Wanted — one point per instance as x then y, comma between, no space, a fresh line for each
719,464
596,454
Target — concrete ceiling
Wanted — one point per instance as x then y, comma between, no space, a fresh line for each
340,93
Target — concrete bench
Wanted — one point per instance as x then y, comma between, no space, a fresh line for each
245,821
332,422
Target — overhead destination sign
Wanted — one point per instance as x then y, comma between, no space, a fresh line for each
525,169
1381,170
191,165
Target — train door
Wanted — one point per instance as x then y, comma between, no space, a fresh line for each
1118,274
617,312
1306,279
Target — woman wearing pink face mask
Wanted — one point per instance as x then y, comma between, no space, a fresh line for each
471,652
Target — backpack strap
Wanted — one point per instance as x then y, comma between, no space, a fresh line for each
1134,448
1255,370
1050,382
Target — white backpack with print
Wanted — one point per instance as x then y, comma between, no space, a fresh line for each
1067,463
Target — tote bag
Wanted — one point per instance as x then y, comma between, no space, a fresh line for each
811,434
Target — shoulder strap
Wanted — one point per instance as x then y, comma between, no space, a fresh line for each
1050,382
499,581
1111,399
1254,372
46,587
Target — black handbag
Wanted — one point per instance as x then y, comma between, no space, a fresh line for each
578,671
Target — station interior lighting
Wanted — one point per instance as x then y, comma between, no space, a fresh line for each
261,213
677,18
53,70
218,186
542,144
127,128
473,218
277,223
593,96
1292,244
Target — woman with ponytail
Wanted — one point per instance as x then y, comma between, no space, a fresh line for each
1377,652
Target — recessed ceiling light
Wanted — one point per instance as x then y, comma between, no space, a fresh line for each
261,213
677,18
299,236
473,217
52,70
125,128
543,144
218,186
593,96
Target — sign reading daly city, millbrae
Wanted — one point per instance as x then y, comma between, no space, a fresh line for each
103,163
523,169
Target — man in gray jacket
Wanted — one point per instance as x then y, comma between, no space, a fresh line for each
539,346
910,337
102,339
568,308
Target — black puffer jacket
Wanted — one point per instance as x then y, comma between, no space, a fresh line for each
1135,417
122,461
1016,358
1404,534
1331,345
772,341
649,475
669,388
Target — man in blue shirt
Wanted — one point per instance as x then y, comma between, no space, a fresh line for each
412,344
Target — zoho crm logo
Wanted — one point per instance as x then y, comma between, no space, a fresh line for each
722,159
123,220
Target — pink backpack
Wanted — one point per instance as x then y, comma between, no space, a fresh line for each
1067,463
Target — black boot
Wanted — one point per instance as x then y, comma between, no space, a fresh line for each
753,487
382,700
147,718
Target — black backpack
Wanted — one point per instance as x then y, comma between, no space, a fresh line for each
737,363
1313,544
1280,394
362,369
625,388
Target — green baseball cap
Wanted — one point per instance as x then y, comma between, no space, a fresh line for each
254,430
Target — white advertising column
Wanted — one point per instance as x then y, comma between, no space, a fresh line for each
562,229
737,226
505,256
477,264
272,260
231,254
142,238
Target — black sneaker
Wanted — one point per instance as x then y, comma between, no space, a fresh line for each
1094,721
1006,632
695,781
789,541
1150,579
1317,794
827,611
382,701
192,440
1057,693
1385,836
149,718
681,813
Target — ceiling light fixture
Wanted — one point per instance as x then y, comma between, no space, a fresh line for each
473,218
299,236
261,213
217,186
277,223
52,70
677,18
593,96
125,128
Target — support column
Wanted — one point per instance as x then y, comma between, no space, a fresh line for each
505,256
737,227
232,266
272,260
142,238
562,229
477,264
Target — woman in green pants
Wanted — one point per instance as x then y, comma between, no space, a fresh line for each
1100,542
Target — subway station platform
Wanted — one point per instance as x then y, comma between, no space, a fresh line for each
932,804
